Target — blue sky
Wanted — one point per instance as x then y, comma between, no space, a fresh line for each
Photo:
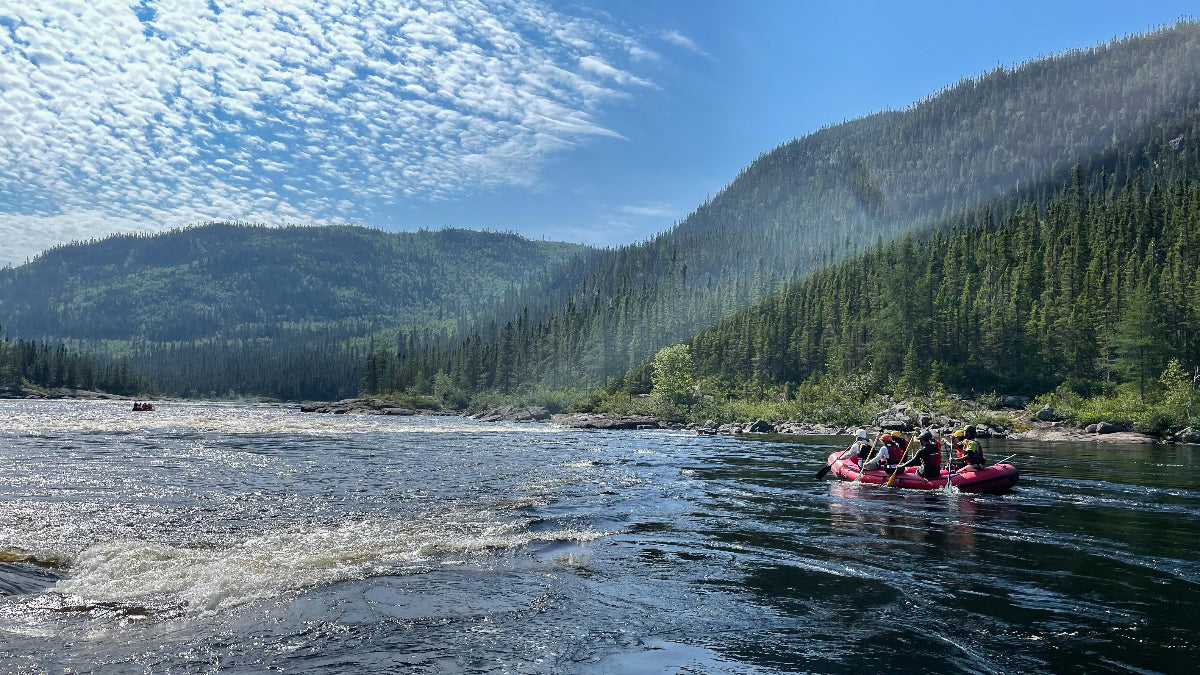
596,122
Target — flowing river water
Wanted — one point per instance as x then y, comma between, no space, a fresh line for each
236,538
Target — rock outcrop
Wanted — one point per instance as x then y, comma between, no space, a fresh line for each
360,406
512,413
1188,435
596,421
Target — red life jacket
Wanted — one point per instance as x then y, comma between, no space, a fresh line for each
931,459
895,452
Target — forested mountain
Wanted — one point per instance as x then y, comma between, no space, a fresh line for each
1008,136
1100,282
233,281
229,309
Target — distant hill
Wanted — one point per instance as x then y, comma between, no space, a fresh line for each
236,282
1005,137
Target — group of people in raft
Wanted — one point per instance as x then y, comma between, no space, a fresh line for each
890,451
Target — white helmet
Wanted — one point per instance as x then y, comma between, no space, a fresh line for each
861,434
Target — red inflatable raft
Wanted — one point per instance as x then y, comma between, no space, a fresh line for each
994,479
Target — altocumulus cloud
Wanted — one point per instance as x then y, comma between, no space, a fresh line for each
139,116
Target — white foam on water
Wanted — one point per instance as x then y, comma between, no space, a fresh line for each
206,579
59,416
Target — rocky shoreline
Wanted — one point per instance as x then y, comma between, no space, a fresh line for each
899,417
25,393
1041,425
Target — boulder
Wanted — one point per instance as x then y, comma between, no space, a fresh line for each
1015,402
1108,428
1188,435
760,427
1047,414
1092,428
501,414
897,423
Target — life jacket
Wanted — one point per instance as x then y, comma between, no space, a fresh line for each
895,452
931,459
864,452
972,452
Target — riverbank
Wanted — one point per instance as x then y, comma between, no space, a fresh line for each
1014,424
29,393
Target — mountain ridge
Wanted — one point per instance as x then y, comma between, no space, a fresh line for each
825,197
232,280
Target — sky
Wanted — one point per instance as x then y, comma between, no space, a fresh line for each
596,122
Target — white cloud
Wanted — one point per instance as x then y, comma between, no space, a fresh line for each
680,40
650,210
597,66
111,122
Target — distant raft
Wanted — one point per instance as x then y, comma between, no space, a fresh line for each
995,479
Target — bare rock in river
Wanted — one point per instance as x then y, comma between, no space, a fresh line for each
1188,435
361,406
512,413
596,421
1057,431
759,427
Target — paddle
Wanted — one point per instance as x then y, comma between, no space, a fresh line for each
824,470
949,462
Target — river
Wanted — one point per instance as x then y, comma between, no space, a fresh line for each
250,538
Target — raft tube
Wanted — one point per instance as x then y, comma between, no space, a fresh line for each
995,479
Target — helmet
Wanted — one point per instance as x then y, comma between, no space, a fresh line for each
885,438
970,431
861,434
959,434
925,435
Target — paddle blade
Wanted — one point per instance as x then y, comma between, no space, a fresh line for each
824,470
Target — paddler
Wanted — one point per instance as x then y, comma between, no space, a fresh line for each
860,448
967,452
971,450
888,456
928,457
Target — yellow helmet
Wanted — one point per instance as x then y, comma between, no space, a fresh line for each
959,434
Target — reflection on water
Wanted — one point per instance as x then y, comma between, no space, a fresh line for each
246,538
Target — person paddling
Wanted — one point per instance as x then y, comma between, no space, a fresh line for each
967,450
927,458
890,454
971,449
860,448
